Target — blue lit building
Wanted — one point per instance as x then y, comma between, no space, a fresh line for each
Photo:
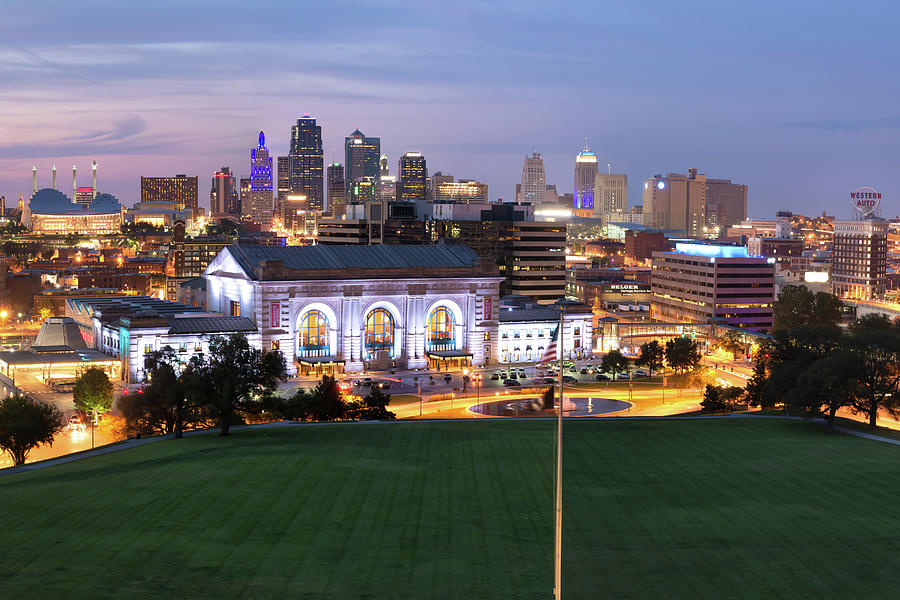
585,177
699,283
261,166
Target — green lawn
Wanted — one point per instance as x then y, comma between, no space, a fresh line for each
724,508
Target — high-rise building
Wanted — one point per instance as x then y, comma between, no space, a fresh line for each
306,161
337,192
282,185
694,204
181,190
223,195
859,259
585,177
413,173
697,282
610,193
534,182
361,164
726,204
383,165
261,166
676,202
464,191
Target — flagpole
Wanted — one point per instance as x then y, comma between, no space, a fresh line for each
557,558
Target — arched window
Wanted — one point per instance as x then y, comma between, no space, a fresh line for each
379,331
441,329
313,334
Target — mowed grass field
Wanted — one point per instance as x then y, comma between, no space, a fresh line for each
722,508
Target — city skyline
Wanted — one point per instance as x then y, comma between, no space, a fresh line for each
796,127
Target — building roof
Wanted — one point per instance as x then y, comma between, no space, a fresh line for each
211,325
59,334
356,257
53,202
196,283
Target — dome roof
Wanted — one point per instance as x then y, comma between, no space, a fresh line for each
105,203
50,201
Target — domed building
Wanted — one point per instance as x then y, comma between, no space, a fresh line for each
50,211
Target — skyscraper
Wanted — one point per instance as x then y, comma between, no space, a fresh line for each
336,190
256,202
585,176
306,161
223,195
413,173
361,164
726,204
610,193
533,188
859,262
283,185
676,202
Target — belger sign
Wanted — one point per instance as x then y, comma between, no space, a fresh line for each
865,200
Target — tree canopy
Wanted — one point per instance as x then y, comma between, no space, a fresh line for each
93,392
682,354
796,305
653,356
614,362
25,424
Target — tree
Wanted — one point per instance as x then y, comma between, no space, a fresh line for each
47,253
755,392
168,388
712,399
614,362
790,353
731,396
796,306
321,403
827,309
93,392
871,322
652,356
878,373
733,341
25,424
682,354
235,377
828,385
372,408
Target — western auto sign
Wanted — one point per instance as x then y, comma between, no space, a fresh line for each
865,200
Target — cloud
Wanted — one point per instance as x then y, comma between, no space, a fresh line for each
880,123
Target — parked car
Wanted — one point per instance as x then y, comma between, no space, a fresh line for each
602,377
641,373
512,383
522,373
549,380
513,375
572,369
569,379
385,385
75,423
503,375
495,376
584,371
448,378
367,382
357,382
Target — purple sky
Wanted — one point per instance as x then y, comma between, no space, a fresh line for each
796,99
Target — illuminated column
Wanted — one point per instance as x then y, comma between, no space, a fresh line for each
94,176
74,183
33,180
54,177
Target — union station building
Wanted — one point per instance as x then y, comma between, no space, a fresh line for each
347,308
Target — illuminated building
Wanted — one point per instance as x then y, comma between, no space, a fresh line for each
295,205
464,191
361,162
306,161
694,204
257,200
585,177
698,282
337,192
52,212
181,190
526,331
533,187
283,185
859,259
223,196
330,308
413,173
610,193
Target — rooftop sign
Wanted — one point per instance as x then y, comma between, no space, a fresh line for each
865,200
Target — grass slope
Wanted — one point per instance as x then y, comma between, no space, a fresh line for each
691,509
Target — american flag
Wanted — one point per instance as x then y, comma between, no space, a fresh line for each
550,353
